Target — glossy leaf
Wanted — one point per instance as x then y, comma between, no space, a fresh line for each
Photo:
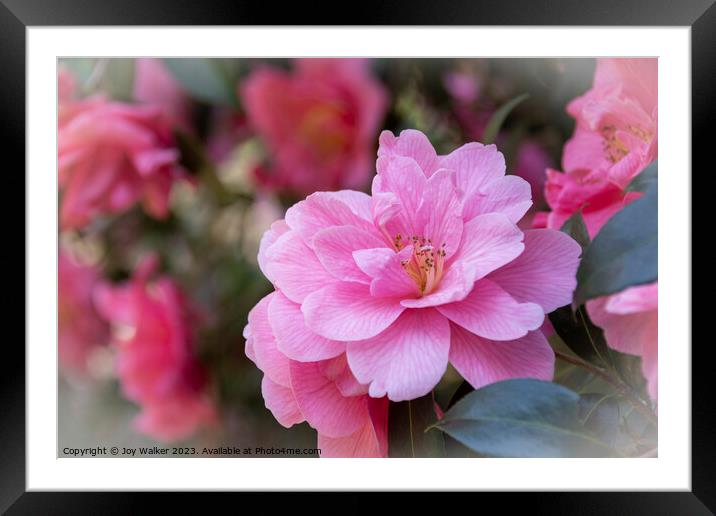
645,179
575,227
580,335
624,252
523,418
600,414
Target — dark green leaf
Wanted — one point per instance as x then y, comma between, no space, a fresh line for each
600,414
645,179
407,435
574,226
499,117
580,335
522,418
209,80
624,252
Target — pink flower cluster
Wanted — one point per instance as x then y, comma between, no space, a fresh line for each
155,344
614,140
80,328
112,155
384,290
318,121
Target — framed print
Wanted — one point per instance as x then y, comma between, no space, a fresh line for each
385,256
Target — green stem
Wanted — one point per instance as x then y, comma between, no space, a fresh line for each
621,387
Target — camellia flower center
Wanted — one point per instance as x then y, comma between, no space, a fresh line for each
614,148
425,265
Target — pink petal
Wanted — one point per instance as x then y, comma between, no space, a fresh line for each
116,304
405,361
249,345
346,311
293,338
545,273
584,151
294,267
378,408
492,313
482,361
383,265
324,209
475,166
410,143
152,160
440,212
636,333
334,248
634,299
281,402
489,241
360,203
510,195
268,357
323,405
628,333
269,238
337,370
362,443
401,177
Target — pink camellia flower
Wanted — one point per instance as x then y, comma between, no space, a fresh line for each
154,85
630,323
431,268
80,328
616,121
322,392
590,191
112,155
615,139
154,338
318,122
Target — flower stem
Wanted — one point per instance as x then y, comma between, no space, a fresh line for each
621,387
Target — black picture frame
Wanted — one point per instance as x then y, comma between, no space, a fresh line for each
17,15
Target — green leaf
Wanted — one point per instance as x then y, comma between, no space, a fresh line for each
580,335
499,117
575,227
600,414
210,80
408,434
624,252
645,179
523,418
81,68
